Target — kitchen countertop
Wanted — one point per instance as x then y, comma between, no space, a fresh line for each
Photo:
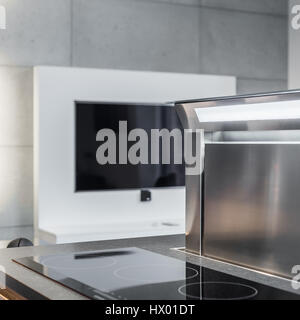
163,245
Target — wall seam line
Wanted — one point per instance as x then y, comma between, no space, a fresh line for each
71,32
278,15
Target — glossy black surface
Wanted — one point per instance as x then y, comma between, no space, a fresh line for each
92,117
137,274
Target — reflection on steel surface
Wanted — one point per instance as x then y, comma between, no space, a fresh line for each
252,205
245,207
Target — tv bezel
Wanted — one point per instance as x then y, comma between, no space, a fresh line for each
148,104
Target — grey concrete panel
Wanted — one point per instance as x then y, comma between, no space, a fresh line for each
16,185
257,6
245,86
16,106
243,44
135,35
38,32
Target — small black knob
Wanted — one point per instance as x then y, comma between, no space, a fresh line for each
20,242
145,196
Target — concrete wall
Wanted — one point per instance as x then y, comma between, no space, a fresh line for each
294,51
244,38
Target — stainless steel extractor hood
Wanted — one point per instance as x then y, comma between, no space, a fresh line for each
243,205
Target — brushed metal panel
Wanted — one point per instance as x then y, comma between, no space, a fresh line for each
252,205
193,214
194,196
193,183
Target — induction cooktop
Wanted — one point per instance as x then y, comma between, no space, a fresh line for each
136,274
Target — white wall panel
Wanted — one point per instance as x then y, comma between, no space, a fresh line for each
58,207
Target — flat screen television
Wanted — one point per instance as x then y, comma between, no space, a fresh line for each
92,117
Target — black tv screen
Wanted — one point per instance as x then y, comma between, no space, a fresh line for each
92,176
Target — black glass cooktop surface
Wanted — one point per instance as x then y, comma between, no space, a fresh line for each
136,274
